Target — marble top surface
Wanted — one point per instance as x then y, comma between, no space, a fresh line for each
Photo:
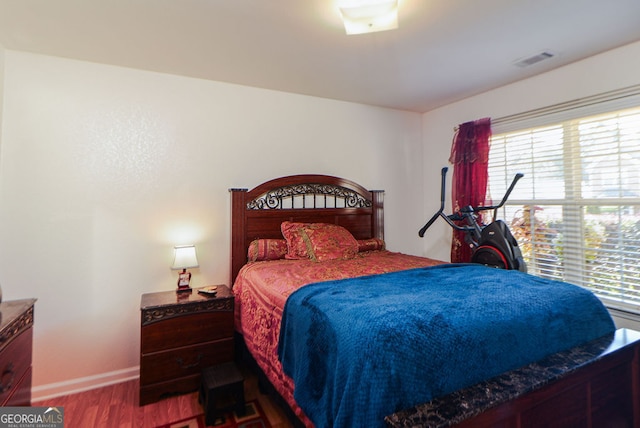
11,309
164,298
469,402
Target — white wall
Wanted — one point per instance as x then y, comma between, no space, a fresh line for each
611,70
105,169
1,87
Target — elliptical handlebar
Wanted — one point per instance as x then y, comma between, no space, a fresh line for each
448,218
505,197
439,213
466,212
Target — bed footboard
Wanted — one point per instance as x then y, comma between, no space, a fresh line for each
594,385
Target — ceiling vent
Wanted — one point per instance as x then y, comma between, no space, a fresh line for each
526,62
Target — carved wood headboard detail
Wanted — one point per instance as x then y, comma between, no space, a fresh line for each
258,213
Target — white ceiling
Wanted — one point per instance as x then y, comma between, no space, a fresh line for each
443,51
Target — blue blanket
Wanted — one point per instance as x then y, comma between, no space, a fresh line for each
363,348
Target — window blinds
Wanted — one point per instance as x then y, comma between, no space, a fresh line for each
588,106
576,213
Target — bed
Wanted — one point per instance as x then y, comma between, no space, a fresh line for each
592,381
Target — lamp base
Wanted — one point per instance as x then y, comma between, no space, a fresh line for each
184,278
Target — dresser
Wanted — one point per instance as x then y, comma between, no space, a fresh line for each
16,349
181,334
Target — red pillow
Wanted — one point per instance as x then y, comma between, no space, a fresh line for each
329,242
318,241
372,244
267,249
296,247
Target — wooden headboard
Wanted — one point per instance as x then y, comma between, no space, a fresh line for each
258,213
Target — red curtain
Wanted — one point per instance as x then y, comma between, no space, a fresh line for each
470,158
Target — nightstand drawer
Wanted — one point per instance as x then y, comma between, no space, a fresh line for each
15,361
185,331
185,361
157,391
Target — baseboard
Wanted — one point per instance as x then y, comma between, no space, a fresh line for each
57,389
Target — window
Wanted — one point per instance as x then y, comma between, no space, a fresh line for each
576,212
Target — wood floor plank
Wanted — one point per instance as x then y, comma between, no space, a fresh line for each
117,406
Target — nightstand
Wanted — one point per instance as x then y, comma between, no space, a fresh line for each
181,334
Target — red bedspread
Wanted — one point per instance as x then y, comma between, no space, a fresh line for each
262,288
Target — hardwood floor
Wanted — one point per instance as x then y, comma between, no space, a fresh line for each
117,406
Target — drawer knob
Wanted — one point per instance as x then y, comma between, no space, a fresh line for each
6,381
184,366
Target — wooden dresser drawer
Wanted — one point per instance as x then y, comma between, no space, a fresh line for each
22,392
185,331
185,361
15,362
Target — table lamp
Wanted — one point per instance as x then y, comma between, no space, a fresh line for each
185,258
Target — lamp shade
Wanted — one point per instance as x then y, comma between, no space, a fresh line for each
185,257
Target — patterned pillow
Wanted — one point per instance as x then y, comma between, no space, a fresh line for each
329,242
319,241
373,244
267,249
296,247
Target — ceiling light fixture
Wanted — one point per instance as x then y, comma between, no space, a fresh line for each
368,16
